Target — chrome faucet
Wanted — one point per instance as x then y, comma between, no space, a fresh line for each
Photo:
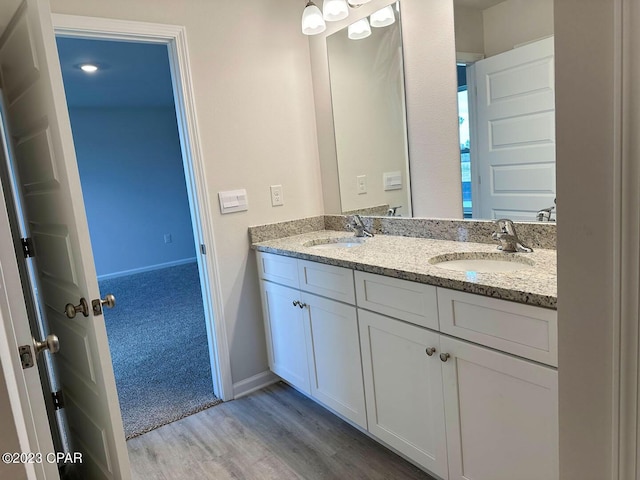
393,211
359,228
508,238
545,213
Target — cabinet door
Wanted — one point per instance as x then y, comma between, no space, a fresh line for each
335,366
501,415
286,328
403,388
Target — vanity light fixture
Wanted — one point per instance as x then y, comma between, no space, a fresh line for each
88,68
334,10
383,17
357,3
312,21
359,29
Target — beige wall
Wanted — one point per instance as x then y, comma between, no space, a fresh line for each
252,86
430,81
514,22
469,30
586,142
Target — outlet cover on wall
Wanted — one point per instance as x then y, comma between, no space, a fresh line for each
276,196
167,238
361,183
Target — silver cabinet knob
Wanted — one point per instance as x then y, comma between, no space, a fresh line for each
444,357
430,351
50,343
71,310
296,303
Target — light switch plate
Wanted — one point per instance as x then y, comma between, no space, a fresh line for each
392,180
361,183
276,196
233,201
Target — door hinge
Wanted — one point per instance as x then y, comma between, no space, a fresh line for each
203,249
27,247
58,400
26,356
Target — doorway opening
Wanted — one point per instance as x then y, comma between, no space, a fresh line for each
141,222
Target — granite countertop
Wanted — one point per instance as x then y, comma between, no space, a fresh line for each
408,258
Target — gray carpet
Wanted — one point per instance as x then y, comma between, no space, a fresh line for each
159,347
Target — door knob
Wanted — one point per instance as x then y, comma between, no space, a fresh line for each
71,310
108,301
50,343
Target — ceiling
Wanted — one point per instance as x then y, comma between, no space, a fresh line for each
477,4
130,74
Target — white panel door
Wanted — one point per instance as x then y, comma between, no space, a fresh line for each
286,328
403,386
515,144
335,366
501,415
47,171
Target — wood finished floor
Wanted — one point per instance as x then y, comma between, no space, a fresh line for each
275,433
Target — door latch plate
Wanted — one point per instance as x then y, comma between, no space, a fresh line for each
26,356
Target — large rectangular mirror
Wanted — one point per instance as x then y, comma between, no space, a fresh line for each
505,163
367,94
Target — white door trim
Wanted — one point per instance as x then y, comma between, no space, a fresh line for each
175,37
626,347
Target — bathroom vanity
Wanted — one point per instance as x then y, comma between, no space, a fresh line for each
454,369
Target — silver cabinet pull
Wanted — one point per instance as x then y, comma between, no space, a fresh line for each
71,310
444,357
50,343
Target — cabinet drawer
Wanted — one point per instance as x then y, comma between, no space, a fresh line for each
523,330
278,269
327,281
409,301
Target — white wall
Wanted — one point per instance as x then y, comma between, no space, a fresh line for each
252,86
513,22
9,437
367,89
585,149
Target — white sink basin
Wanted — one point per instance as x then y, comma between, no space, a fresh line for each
331,243
482,262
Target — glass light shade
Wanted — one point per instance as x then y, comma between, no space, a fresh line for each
359,30
357,3
312,21
334,10
383,17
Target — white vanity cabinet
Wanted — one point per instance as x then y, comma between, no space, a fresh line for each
287,327
501,414
312,338
464,385
403,385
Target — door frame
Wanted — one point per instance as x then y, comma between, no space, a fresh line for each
175,38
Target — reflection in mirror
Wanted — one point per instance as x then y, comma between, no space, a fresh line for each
368,100
506,105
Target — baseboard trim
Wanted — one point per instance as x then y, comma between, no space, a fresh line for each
251,384
149,268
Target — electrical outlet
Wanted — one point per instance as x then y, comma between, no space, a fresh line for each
167,238
361,182
276,196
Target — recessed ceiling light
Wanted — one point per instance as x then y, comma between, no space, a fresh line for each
89,68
